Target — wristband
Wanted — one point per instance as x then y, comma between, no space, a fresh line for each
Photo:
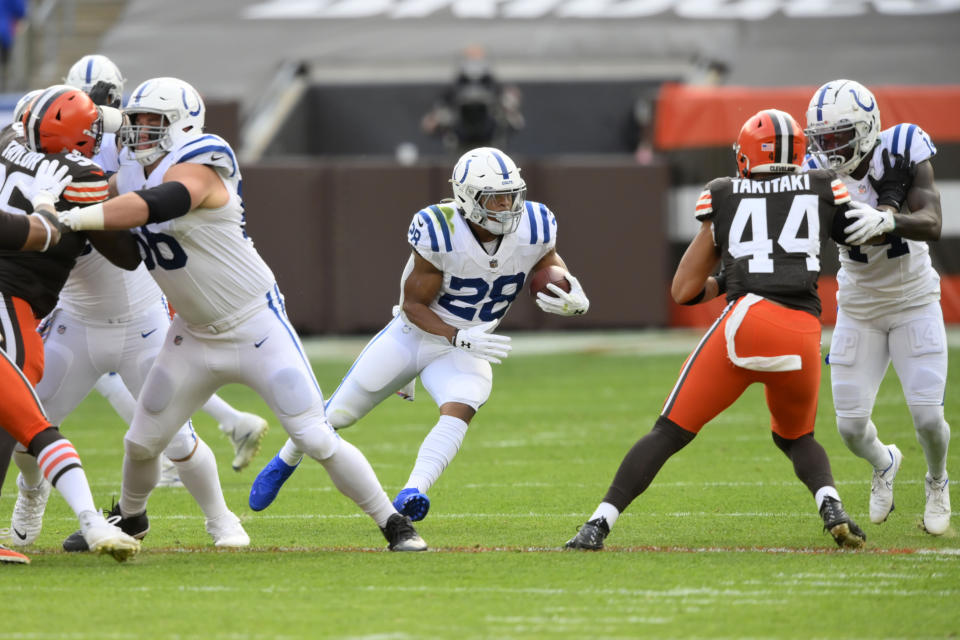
43,197
46,227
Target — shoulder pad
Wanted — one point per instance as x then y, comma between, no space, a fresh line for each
208,149
541,222
704,207
840,193
905,136
432,229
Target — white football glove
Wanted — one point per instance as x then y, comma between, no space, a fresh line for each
574,303
868,223
46,186
479,342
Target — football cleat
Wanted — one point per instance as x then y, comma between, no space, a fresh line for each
246,436
936,514
881,487
9,556
102,536
227,531
267,484
590,536
169,477
27,519
135,526
413,504
401,535
845,531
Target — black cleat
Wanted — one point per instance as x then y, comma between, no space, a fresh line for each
134,526
401,535
844,530
590,536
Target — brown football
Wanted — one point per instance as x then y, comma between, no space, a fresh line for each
548,275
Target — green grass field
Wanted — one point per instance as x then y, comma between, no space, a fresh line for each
726,543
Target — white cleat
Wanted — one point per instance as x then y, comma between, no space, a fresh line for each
103,537
227,531
881,488
246,435
169,476
936,515
27,519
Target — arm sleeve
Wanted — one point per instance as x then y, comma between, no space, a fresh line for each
14,229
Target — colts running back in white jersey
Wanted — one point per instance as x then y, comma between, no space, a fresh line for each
876,280
203,261
478,287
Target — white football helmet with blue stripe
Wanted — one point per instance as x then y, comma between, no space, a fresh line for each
89,70
843,124
183,115
480,177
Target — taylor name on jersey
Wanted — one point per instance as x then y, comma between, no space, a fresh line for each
478,286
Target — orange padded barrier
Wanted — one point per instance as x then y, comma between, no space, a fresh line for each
695,116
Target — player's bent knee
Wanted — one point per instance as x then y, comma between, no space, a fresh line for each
183,445
138,451
340,418
852,428
319,442
158,391
929,419
292,391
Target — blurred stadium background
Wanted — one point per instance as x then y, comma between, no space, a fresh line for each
630,106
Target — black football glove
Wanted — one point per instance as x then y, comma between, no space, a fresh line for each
896,181
104,94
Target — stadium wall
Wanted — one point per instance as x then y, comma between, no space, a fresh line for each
335,235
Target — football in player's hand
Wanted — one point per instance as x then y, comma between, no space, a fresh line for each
548,275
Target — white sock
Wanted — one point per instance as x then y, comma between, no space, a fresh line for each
825,492
139,479
933,434
290,454
608,512
436,452
28,466
354,477
111,387
60,464
199,476
225,415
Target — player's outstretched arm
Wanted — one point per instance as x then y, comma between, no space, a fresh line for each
186,187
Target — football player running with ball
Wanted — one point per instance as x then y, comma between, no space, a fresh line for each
471,257
180,188
889,293
766,228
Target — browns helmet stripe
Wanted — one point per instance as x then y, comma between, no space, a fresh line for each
39,109
778,134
